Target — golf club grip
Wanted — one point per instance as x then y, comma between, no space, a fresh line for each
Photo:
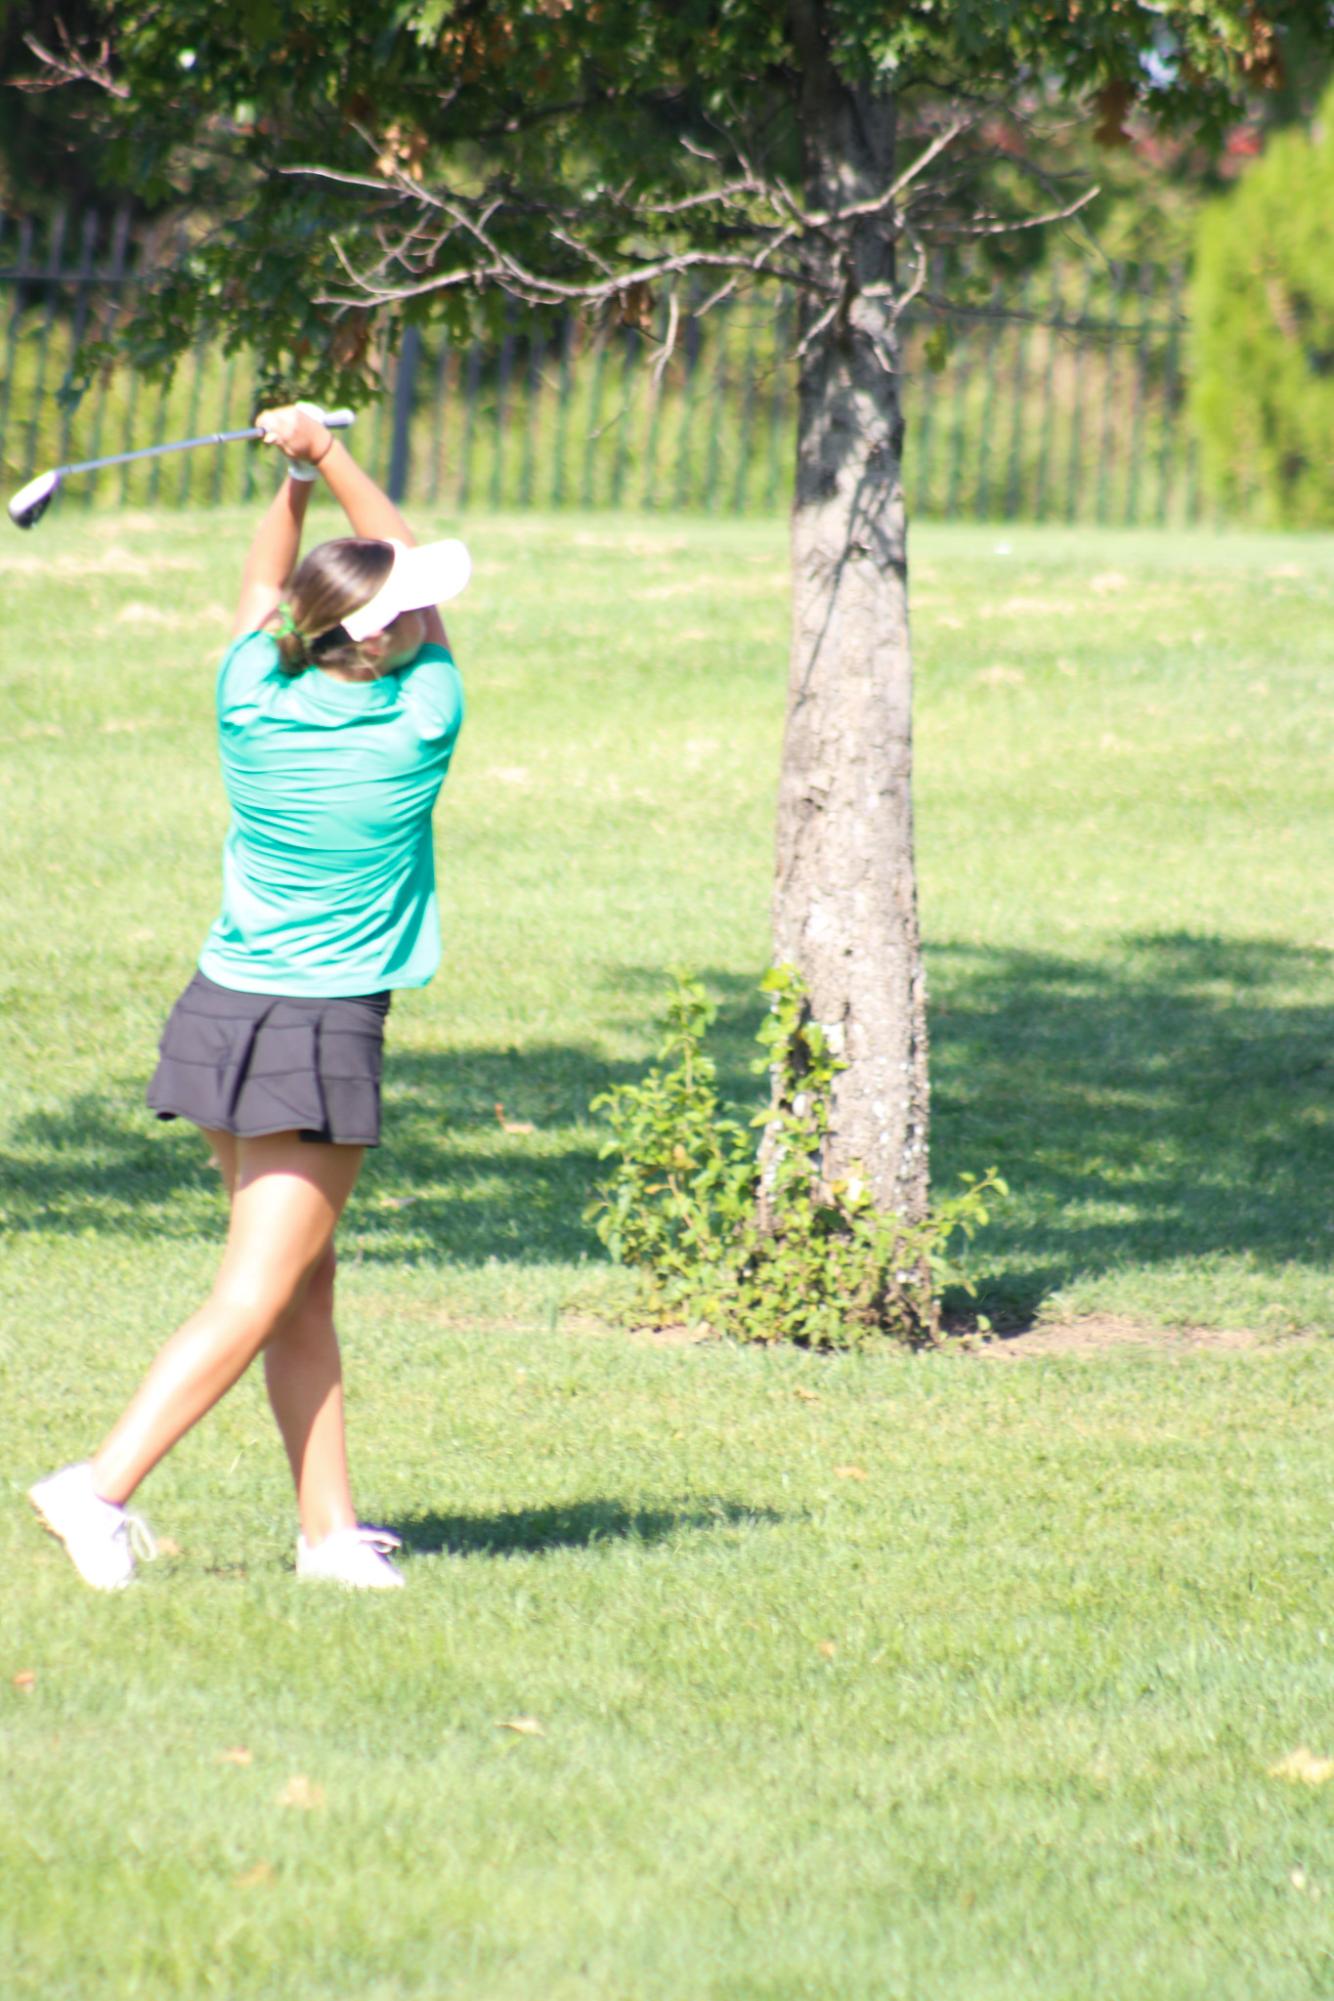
332,420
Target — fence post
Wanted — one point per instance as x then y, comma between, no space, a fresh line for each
82,301
405,380
785,329
919,421
1023,333
982,484
1131,515
629,348
747,416
15,314
713,460
647,493
504,373
1055,304
249,407
1171,396
566,338
961,374
127,436
114,275
219,451
593,434
441,392
159,436
690,345
185,483
57,245
1075,464
471,382
1110,355
536,354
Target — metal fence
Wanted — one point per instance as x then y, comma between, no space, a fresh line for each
1062,399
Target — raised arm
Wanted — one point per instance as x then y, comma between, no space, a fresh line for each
272,556
369,511
297,431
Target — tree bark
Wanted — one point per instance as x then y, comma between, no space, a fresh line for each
845,900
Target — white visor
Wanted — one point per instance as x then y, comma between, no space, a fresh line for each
420,577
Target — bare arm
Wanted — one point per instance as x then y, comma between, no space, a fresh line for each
272,556
369,510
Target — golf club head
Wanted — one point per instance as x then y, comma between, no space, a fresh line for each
31,501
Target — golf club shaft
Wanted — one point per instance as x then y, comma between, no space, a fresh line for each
336,420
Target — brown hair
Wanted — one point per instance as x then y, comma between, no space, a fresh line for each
334,579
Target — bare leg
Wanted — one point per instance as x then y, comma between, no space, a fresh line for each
287,1197
304,1375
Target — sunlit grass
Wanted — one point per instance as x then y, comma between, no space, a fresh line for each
945,1676
1124,847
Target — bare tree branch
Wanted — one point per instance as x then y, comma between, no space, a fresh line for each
755,231
1016,316
724,291
813,332
905,179
668,347
1011,225
904,297
535,289
727,193
71,65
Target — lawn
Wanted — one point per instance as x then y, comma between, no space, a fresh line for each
965,1675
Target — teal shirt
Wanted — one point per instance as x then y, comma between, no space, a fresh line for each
328,875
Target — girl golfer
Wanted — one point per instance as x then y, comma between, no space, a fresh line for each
338,707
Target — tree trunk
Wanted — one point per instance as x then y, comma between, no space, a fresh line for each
845,899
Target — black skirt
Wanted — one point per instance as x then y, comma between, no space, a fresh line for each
267,1063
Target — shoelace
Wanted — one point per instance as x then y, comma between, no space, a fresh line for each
381,1540
139,1536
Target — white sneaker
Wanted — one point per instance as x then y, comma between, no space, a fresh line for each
102,1539
356,1557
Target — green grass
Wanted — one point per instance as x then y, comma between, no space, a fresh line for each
996,1720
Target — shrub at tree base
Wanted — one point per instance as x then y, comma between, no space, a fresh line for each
1262,312
731,1222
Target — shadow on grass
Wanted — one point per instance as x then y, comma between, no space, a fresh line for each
533,1531
1171,1101
1174,1104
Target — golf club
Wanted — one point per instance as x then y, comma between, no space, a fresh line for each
31,502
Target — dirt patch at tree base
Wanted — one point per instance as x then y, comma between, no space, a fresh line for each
1096,1333
1091,1334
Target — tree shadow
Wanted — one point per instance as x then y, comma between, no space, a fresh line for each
489,1154
1172,1104
1170,1101
537,1531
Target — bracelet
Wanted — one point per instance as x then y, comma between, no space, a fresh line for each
304,470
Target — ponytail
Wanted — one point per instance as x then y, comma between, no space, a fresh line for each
335,579
292,648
